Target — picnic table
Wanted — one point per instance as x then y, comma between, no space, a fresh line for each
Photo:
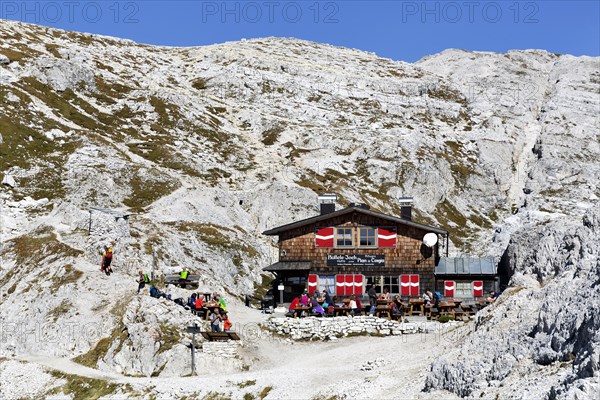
416,306
299,309
383,309
343,309
383,302
446,308
219,336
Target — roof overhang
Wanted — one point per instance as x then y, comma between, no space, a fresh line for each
348,210
289,266
467,266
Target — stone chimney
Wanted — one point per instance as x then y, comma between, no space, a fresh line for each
406,207
327,203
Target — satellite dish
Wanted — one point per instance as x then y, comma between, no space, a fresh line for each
430,239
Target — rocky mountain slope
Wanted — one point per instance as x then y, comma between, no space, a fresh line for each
209,146
542,336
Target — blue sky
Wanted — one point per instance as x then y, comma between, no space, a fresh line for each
401,30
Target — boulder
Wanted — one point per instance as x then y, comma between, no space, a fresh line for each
8,180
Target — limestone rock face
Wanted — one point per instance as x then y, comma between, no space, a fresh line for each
546,323
204,148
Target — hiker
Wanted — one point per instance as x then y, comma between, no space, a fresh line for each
493,296
142,280
328,301
183,276
222,304
316,307
372,298
294,304
227,325
107,256
427,297
192,301
385,295
437,297
358,305
199,302
304,299
353,306
215,320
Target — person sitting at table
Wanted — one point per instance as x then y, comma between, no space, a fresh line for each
294,304
183,277
385,295
493,296
227,325
192,301
427,297
352,305
316,307
398,302
304,299
199,302
395,309
328,299
358,305
222,304
215,320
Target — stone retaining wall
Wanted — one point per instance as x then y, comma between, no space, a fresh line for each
314,328
222,349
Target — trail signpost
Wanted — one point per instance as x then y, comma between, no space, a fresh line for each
280,287
193,330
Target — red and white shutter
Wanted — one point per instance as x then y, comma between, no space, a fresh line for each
414,285
405,285
349,285
386,237
449,287
340,285
313,279
358,284
477,288
324,237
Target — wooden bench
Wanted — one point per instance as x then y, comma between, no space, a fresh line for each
219,336
173,279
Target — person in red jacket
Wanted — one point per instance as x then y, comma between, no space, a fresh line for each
227,325
107,257
294,304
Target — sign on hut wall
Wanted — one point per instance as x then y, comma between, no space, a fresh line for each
355,260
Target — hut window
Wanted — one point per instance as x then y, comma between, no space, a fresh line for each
464,290
367,237
344,237
327,283
391,282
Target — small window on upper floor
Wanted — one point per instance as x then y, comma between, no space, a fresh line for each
344,237
367,237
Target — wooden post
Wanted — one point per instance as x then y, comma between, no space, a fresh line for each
194,353
193,330
153,263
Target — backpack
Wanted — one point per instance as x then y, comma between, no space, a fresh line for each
146,278
153,291
437,296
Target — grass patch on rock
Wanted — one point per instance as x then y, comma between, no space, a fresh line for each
40,245
79,387
147,186
91,358
59,310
